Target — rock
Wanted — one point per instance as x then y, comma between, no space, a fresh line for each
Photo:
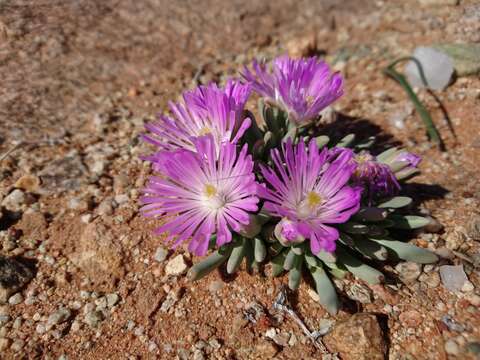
14,275
28,183
301,47
265,349
473,348
99,255
434,226
93,318
455,239
437,67
16,299
453,277
452,324
198,355
473,228
58,317
215,286
360,293
4,344
438,2
14,200
408,271
358,338
411,318
451,347
160,254
112,299
105,207
17,345
66,173
466,57
176,266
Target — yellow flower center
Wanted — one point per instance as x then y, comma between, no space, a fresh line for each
205,131
210,190
313,199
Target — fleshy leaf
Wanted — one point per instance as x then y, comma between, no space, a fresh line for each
236,257
325,290
295,274
396,202
206,266
409,221
408,252
358,268
259,249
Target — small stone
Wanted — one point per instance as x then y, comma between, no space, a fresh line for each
152,346
17,345
93,318
473,348
75,326
105,207
4,344
16,299
451,347
473,228
432,280
215,286
466,57
59,316
14,275
434,226
160,254
214,344
360,293
411,318
176,266
14,200
467,287
359,337
101,303
437,68
265,349
439,2
198,355
112,300
281,339
121,199
4,319
452,324
408,271
84,294
313,295
453,277
455,239
40,329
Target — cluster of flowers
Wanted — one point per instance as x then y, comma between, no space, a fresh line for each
221,175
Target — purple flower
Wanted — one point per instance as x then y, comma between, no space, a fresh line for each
309,192
205,110
375,177
409,158
202,193
303,87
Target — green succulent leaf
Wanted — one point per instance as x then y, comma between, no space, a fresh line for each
295,274
358,268
277,264
325,289
408,252
346,141
371,249
371,214
237,255
352,227
259,249
408,221
289,259
322,140
396,202
204,267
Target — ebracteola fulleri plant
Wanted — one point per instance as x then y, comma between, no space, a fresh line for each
271,191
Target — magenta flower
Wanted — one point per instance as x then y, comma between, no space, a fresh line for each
309,192
375,177
302,88
205,110
202,193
